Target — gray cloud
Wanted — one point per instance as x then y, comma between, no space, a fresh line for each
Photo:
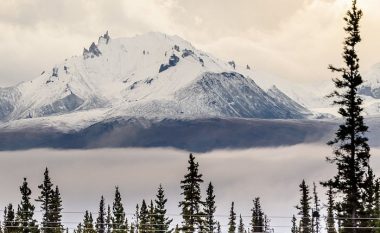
294,39
83,176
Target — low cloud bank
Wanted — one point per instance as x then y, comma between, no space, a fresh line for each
239,175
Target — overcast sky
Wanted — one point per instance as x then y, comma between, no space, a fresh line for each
294,39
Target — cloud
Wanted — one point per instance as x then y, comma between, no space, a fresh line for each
84,175
294,39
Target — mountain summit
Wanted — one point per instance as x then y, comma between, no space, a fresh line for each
152,76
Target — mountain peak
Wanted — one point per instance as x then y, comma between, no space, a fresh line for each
149,75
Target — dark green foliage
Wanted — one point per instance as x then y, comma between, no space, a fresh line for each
55,211
330,221
294,225
241,225
257,220
79,228
118,220
152,218
209,209
101,219
144,218
25,212
316,223
10,223
232,220
192,201
351,150
137,218
46,199
304,209
369,195
88,223
109,220
161,220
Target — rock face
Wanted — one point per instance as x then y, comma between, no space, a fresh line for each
152,76
230,94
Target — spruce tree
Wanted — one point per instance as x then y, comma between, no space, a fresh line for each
25,213
88,223
55,210
79,228
294,225
118,219
101,219
209,209
316,210
241,225
46,198
10,223
351,150
152,218
330,218
192,201
109,220
161,220
257,221
144,218
304,209
232,220
137,218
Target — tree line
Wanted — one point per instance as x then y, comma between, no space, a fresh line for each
198,214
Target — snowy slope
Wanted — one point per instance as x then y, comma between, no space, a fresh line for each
153,76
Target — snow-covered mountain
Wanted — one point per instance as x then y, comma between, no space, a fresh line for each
152,76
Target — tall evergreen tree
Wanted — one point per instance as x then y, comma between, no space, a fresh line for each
161,220
144,218
232,220
101,219
294,225
330,218
351,150
88,223
55,210
118,220
46,199
209,209
304,209
137,218
241,225
109,220
257,221
192,202
25,213
316,210
10,223
152,217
